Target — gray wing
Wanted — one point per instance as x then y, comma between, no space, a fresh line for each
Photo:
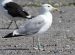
32,26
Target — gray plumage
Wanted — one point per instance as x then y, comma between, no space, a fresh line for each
31,26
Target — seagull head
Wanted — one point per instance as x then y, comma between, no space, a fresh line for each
48,7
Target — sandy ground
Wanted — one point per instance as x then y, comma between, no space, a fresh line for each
58,40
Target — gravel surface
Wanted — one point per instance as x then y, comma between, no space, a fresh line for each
58,40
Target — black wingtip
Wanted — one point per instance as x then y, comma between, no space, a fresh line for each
8,35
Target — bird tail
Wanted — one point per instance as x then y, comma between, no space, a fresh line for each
11,35
23,13
8,35
27,15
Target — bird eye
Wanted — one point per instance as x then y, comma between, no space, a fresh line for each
48,6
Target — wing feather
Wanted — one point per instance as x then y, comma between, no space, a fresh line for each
31,26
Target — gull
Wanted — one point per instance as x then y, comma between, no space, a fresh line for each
14,10
36,25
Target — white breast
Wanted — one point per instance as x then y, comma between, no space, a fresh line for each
48,21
